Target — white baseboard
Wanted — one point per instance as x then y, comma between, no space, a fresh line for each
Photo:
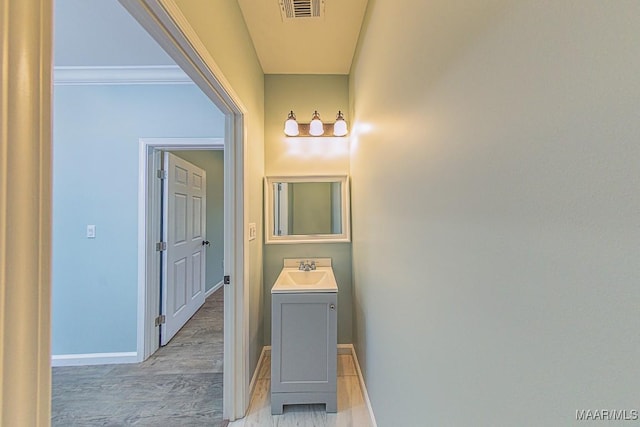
93,359
252,385
213,289
365,393
345,348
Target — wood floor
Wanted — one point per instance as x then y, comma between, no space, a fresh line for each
352,411
180,385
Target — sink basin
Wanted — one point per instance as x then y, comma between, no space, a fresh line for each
304,278
294,280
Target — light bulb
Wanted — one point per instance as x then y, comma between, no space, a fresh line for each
340,126
291,125
315,127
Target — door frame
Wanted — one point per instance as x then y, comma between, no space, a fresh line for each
164,21
192,302
149,224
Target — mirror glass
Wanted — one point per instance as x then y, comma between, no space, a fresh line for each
300,209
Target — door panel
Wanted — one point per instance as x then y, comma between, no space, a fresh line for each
197,263
198,217
179,286
180,217
184,229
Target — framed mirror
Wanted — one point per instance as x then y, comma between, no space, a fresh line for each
307,209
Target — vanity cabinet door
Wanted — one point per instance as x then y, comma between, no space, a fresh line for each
304,342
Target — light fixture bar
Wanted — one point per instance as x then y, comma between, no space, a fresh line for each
303,130
316,128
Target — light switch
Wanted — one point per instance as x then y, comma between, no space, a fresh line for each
252,231
91,231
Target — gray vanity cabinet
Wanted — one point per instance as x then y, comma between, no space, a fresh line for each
303,349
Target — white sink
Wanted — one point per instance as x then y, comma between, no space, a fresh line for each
292,279
304,278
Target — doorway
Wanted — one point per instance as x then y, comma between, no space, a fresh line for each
193,231
35,78
236,318
150,220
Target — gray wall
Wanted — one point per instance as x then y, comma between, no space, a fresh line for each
496,210
95,181
213,163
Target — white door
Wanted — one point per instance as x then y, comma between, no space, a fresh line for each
184,230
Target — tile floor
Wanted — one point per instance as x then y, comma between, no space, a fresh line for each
352,411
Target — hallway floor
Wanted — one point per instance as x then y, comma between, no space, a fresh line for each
180,385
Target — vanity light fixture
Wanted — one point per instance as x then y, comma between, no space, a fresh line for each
340,126
315,127
291,125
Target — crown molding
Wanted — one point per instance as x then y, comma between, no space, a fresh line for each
120,75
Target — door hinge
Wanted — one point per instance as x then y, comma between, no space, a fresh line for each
160,320
161,246
162,174
227,280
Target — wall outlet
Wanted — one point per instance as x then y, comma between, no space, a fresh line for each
91,231
252,231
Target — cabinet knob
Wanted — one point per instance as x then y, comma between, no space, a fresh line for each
332,306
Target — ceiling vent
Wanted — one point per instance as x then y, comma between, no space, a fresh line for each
294,9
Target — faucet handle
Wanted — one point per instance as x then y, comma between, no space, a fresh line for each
313,265
301,266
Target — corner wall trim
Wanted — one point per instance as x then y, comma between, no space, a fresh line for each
365,393
93,359
213,289
120,75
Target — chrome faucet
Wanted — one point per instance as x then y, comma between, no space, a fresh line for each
305,266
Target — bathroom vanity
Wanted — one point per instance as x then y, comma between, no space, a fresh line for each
304,335
305,209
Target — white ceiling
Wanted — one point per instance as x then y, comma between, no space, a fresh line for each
304,45
102,33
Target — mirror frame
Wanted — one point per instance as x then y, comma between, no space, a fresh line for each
345,199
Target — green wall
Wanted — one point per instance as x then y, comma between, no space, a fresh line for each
307,156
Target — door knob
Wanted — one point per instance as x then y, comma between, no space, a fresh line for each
205,243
